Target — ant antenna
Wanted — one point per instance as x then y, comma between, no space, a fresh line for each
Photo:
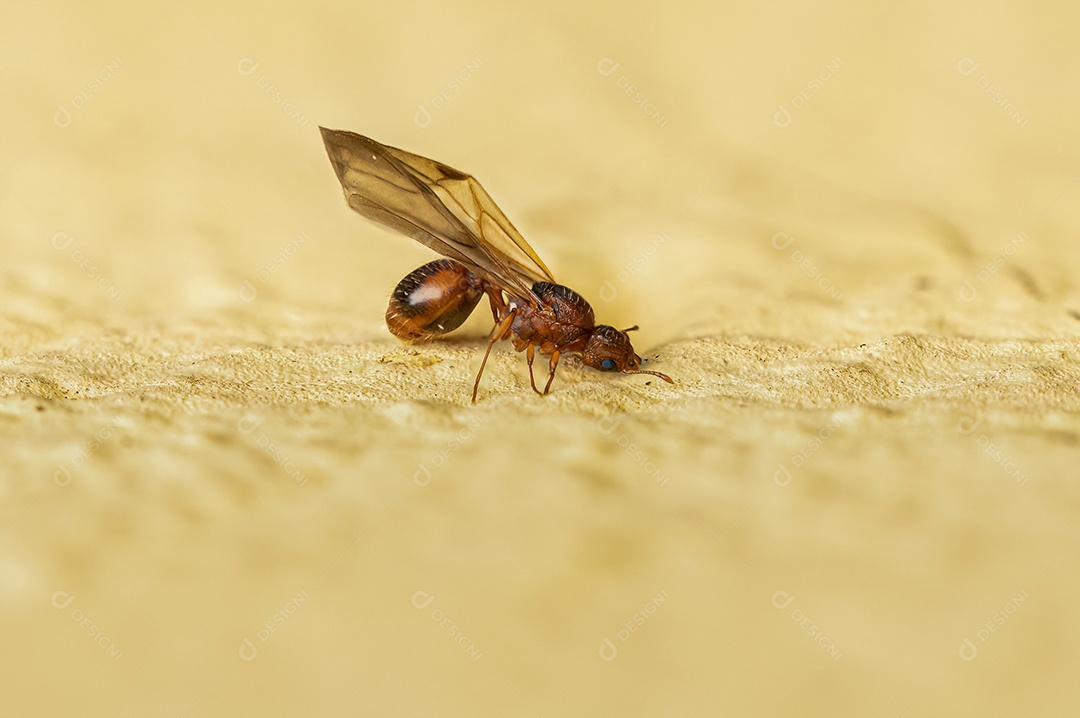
665,377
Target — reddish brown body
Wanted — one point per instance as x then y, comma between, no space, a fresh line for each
450,212
432,300
439,296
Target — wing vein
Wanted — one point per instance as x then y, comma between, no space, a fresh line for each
427,200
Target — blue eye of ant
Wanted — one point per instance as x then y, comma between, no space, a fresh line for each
607,365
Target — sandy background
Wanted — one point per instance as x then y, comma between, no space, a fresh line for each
848,232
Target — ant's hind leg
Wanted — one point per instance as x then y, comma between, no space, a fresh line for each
554,364
529,353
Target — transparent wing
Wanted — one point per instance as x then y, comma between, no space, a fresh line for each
436,205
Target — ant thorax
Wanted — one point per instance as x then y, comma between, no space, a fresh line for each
564,318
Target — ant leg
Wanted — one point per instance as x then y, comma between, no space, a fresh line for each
496,334
529,357
551,375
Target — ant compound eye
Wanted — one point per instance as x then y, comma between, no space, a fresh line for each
608,365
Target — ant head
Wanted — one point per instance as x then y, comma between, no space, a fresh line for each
609,349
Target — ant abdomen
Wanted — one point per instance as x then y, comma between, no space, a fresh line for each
432,300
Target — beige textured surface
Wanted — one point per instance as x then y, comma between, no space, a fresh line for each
225,490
